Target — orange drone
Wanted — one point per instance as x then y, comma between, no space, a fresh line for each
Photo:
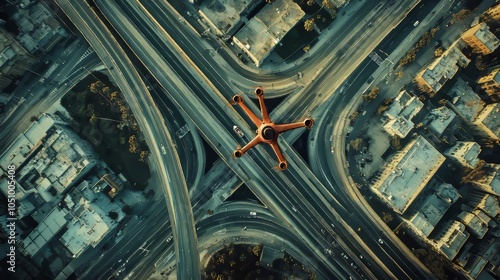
267,131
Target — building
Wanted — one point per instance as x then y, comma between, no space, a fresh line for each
15,60
477,199
439,119
450,239
407,173
464,154
44,232
224,16
403,108
493,12
39,30
434,76
474,224
481,39
488,179
266,29
86,226
432,209
490,83
487,123
49,157
464,101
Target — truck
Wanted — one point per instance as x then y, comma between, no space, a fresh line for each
49,71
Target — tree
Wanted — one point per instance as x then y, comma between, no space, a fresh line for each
307,48
310,2
357,144
113,215
372,94
309,24
438,52
127,209
387,217
396,142
399,75
96,87
33,119
462,14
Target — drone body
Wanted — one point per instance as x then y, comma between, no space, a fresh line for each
267,131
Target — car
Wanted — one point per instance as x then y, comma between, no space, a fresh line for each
253,214
370,24
332,150
294,209
238,131
416,23
120,260
380,241
163,150
169,238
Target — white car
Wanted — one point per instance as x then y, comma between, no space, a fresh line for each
380,241
169,238
163,150
416,23
253,214
238,131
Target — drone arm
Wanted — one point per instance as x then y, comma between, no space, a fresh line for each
285,127
251,144
237,99
281,159
265,115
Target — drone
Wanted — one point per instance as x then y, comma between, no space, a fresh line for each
267,131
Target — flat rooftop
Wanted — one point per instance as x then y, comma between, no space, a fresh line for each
223,13
434,207
467,102
264,31
408,173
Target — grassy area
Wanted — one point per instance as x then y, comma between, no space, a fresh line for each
100,109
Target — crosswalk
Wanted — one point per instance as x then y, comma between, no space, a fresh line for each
85,54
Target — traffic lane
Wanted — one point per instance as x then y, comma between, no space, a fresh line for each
159,42
191,244
175,63
237,217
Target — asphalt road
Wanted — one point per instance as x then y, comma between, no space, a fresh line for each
162,148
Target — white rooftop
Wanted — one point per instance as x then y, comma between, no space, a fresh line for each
223,14
444,68
465,152
44,232
453,237
434,207
467,102
266,29
490,117
439,119
408,172
86,231
484,35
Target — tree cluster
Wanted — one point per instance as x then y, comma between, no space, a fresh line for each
384,106
309,24
372,94
424,40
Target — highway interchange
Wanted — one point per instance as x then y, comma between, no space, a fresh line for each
315,209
